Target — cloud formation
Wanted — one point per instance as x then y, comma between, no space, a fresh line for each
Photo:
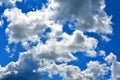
90,14
112,59
23,69
41,60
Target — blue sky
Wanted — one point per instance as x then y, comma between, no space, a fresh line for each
112,9
59,40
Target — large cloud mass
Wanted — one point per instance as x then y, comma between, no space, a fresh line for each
55,47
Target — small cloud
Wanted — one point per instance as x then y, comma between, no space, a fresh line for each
1,23
102,53
114,66
111,58
7,49
105,38
11,56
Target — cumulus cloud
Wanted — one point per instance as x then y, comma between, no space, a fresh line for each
30,70
76,42
94,71
90,14
22,69
39,61
111,58
22,25
115,71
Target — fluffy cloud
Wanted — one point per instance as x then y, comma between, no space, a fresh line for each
102,53
30,68
90,14
53,50
115,71
22,69
39,61
111,58
94,71
22,25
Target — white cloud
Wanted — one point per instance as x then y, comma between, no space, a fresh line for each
7,49
111,58
22,69
102,53
53,50
31,26
27,65
115,71
94,71
105,38
90,14
24,27
115,65
1,23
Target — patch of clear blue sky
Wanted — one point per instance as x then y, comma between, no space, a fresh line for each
30,5
113,8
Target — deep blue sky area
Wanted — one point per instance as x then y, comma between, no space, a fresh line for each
30,5
113,8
